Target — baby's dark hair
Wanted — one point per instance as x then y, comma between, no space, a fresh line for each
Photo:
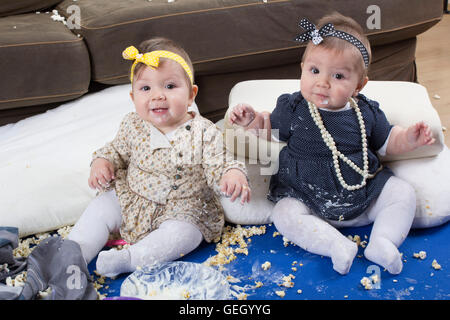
160,43
348,25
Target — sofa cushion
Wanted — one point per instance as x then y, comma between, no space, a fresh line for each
231,35
8,8
42,61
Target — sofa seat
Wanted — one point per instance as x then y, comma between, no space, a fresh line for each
41,61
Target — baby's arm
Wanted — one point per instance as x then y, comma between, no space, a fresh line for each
102,173
234,183
224,173
114,155
407,139
256,122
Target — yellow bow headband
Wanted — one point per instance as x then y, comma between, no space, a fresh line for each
151,59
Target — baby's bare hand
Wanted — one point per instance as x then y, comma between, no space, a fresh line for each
234,184
420,134
102,173
242,115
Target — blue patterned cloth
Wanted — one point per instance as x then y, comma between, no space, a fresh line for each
306,169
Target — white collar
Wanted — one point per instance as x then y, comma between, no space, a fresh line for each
346,107
159,140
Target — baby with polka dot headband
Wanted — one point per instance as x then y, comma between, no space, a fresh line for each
329,172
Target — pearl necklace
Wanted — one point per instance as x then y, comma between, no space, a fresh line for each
329,141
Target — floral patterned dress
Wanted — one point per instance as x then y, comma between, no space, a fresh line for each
159,179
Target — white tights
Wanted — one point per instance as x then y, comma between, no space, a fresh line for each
392,214
170,241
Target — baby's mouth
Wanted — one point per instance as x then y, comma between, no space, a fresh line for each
159,109
322,98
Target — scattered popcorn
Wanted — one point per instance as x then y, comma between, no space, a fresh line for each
367,283
436,265
421,255
285,241
357,239
294,269
233,236
258,284
280,293
287,281
57,17
266,265
299,291
276,233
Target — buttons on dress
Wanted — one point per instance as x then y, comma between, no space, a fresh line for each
174,187
188,127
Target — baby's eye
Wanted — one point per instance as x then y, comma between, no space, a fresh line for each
170,86
145,88
314,70
338,76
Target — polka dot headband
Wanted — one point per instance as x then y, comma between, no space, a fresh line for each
317,35
151,59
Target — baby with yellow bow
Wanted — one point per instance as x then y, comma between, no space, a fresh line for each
160,176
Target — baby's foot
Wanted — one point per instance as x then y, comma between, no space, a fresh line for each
343,253
385,253
113,262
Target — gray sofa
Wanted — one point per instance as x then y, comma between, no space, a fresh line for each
44,62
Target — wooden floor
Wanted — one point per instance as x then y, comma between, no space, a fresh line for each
433,65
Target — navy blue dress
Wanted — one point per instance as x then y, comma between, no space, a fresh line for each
306,169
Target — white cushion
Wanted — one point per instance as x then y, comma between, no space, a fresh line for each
427,169
404,103
430,177
259,209
44,160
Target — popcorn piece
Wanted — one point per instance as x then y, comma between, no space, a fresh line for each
367,283
186,294
299,291
258,284
421,255
266,265
436,265
280,293
287,281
